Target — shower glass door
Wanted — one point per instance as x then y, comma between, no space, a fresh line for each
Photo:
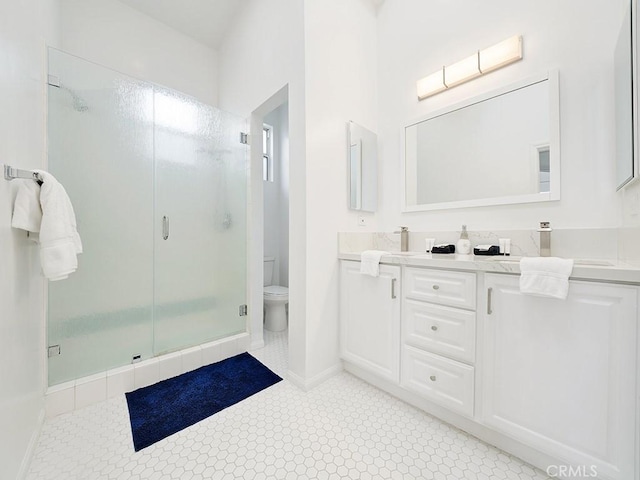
200,222
101,151
158,184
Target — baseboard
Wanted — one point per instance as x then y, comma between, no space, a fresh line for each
256,345
307,384
31,447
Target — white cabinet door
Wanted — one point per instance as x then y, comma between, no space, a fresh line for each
560,375
370,319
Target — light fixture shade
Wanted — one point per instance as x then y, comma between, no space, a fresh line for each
501,54
484,61
431,85
461,71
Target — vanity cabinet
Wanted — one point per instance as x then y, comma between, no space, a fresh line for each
439,336
370,319
552,381
560,375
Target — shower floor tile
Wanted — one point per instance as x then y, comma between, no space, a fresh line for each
343,429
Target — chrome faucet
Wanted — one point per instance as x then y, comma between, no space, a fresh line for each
404,239
545,239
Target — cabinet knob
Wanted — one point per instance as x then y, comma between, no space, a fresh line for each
434,327
432,378
436,287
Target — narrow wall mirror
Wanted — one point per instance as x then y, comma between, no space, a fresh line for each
625,101
499,148
362,156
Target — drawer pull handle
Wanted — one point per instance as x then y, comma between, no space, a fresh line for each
434,327
436,287
432,378
165,228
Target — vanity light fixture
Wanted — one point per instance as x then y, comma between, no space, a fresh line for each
483,61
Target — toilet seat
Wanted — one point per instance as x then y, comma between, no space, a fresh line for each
276,291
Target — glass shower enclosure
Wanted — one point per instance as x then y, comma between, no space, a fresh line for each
158,182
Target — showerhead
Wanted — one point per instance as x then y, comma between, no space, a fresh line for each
79,104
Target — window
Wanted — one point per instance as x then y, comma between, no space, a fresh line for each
545,169
267,153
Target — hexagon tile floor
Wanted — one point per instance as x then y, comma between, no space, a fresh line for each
343,429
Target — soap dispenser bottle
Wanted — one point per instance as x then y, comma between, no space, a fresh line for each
463,246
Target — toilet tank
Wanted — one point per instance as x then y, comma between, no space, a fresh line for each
268,270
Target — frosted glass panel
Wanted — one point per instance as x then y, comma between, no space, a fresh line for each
101,150
131,154
201,202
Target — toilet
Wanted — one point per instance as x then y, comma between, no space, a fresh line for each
275,300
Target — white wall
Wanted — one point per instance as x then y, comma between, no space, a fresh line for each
416,38
325,52
276,198
24,28
261,59
271,207
283,177
113,34
340,60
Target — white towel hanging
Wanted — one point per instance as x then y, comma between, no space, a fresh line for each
59,240
370,262
47,209
27,214
545,276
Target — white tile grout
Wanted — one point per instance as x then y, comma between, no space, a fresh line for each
343,429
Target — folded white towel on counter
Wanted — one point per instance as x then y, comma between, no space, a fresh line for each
545,276
27,214
370,262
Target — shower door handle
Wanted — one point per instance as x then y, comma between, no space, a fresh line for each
165,227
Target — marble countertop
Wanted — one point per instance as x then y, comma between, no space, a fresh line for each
583,269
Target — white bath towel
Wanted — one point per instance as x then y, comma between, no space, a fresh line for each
27,214
59,240
370,262
545,277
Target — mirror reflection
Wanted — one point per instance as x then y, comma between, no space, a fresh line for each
500,148
623,68
363,168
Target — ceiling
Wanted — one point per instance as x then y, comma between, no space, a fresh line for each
204,20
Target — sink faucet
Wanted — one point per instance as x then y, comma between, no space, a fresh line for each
404,239
545,239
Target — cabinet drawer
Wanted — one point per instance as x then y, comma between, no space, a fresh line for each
438,329
443,381
456,289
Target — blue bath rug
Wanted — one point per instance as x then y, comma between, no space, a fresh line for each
167,407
